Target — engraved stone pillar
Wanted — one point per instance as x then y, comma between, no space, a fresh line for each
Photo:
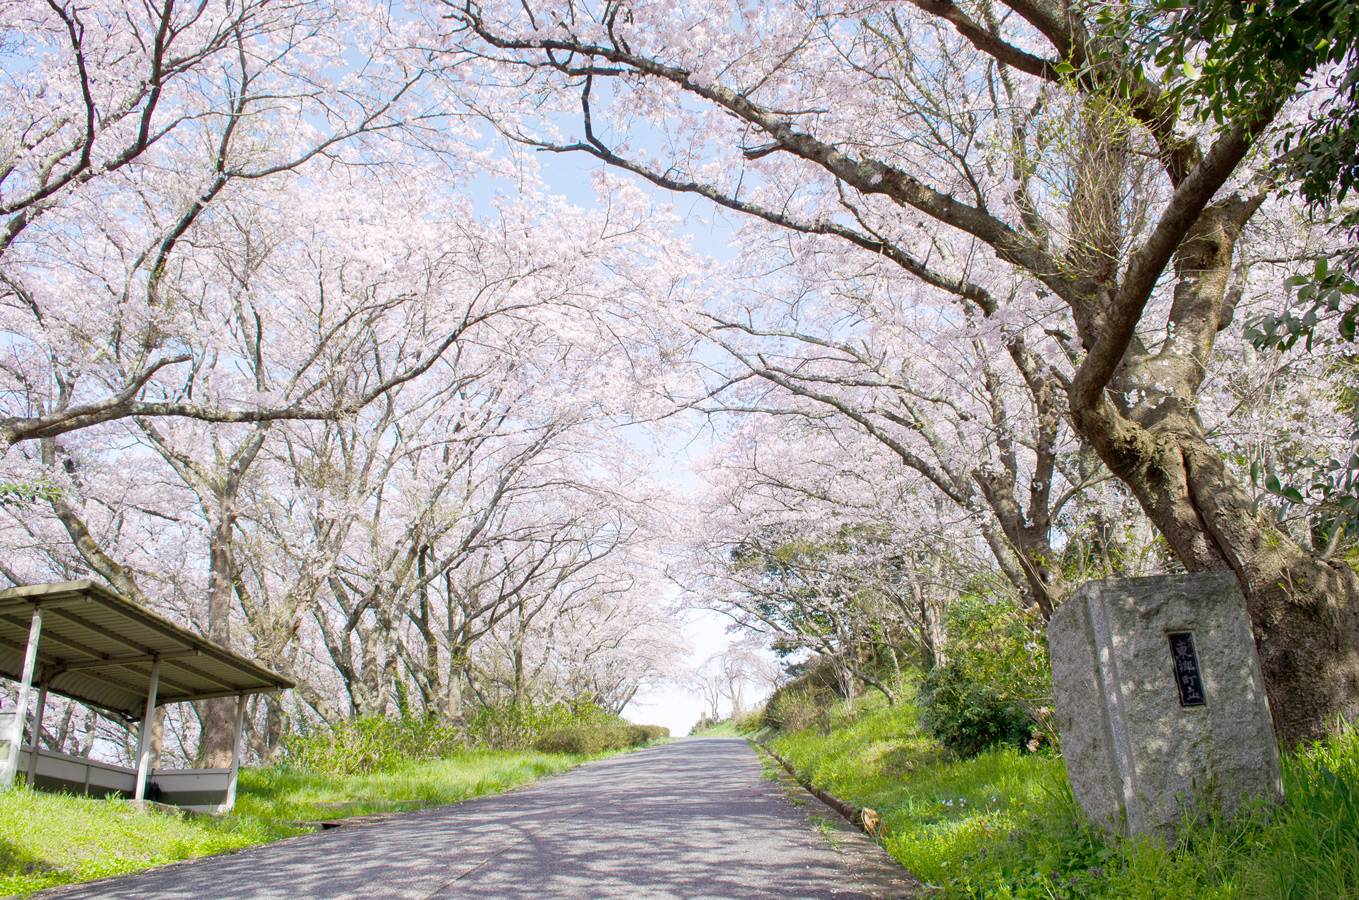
1160,701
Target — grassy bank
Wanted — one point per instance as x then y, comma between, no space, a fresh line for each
52,839
1004,825
724,728
281,793
49,839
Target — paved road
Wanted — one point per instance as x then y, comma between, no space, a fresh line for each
689,820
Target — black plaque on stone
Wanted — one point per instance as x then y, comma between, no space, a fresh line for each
1187,677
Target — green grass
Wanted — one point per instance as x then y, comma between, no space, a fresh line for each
724,728
283,793
749,725
52,839
1004,825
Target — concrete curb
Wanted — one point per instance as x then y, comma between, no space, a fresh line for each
878,875
851,813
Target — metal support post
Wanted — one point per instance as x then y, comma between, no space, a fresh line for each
144,741
16,737
230,800
36,740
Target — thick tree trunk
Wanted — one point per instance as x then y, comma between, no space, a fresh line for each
58,742
453,700
157,735
1032,543
459,659
266,740
1305,611
217,490
217,722
218,716
518,659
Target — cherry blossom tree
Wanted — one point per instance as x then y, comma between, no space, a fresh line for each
609,648
125,126
221,222
819,540
739,672
942,395
1059,179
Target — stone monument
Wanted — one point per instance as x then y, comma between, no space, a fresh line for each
1160,701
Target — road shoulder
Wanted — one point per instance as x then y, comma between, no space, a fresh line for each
871,868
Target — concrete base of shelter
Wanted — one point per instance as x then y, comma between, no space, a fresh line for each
193,790
169,809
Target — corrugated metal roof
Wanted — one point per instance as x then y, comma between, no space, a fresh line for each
98,647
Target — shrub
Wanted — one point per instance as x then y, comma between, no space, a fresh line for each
374,743
517,726
968,717
582,739
796,709
650,733
368,744
995,687
587,739
750,721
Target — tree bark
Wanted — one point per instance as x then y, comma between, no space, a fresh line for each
1304,610
219,497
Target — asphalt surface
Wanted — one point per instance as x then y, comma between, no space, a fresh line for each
691,820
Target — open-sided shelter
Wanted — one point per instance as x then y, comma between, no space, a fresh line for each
80,640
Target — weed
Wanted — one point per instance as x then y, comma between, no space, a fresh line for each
828,831
771,769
